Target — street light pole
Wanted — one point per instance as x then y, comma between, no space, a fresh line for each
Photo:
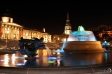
6,31
6,39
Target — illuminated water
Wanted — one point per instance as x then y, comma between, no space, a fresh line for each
57,59
81,35
82,41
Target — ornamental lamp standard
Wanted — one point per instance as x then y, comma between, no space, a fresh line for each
6,32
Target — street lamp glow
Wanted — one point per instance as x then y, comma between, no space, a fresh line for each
7,30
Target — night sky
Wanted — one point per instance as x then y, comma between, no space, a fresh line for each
52,14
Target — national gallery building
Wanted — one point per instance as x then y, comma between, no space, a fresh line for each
13,31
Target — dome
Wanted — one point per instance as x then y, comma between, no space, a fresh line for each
6,17
6,13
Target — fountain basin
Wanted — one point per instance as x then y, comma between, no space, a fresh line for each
83,46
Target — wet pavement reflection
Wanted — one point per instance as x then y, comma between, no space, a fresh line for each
55,59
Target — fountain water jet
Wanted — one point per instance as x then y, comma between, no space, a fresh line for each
48,50
82,41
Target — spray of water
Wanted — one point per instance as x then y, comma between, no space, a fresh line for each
81,35
48,50
61,50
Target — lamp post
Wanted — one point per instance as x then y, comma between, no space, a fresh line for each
7,32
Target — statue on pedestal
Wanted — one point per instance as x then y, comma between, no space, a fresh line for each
29,47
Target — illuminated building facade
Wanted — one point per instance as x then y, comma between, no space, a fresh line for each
33,33
9,29
13,31
103,31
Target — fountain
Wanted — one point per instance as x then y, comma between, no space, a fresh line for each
82,41
29,47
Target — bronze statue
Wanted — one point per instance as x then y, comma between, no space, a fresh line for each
30,46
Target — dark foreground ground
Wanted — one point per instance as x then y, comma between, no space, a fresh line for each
96,69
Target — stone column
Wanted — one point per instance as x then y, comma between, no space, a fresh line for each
20,32
2,31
